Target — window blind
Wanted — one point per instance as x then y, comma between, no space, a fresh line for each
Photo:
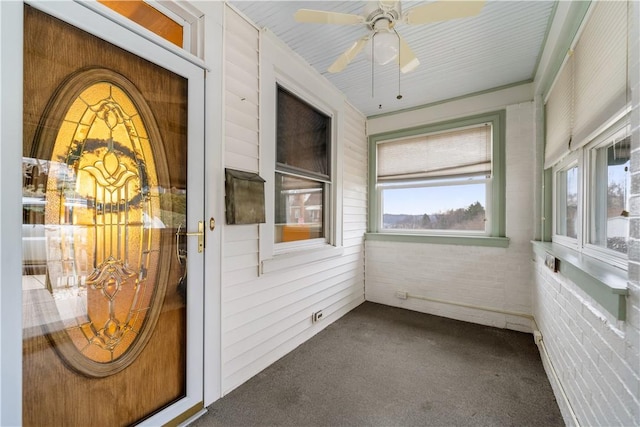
592,86
558,115
465,152
600,69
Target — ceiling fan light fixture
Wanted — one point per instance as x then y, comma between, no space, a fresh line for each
385,47
380,18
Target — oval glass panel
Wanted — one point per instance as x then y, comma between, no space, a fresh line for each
105,262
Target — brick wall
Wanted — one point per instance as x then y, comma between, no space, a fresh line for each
499,278
597,358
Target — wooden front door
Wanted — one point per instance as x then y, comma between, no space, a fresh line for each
106,201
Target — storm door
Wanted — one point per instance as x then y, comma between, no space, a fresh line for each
108,197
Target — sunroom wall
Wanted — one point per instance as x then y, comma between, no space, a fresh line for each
484,277
266,315
594,358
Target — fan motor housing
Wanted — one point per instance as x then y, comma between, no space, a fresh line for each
388,10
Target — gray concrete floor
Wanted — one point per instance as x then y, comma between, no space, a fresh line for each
383,366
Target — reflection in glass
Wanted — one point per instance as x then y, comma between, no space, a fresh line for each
612,181
567,203
303,136
572,202
299,206
91,226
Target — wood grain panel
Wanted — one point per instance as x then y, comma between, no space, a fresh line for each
54,394
59,50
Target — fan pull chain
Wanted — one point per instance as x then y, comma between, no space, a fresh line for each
399,57
373,61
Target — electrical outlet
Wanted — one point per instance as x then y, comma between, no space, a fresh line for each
551,262
401,294
316,316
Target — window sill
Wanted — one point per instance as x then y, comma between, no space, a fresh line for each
495,242
300,257
603,282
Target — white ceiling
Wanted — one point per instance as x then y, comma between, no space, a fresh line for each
498,47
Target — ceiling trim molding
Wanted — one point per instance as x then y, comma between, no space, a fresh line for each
456,98
567,21
552,16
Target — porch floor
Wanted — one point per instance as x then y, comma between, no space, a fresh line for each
384,366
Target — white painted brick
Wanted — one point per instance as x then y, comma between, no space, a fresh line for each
595,356
596,398
631,356
492,277
613,391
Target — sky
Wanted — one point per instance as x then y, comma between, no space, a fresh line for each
430,200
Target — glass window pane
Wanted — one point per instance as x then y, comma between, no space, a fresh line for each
572,202
299,208
149,17
567,203
302,137
611,222
449,207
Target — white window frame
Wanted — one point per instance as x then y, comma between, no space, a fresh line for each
584,159
327,219
569,162
279,67
184,14
380,187
615,133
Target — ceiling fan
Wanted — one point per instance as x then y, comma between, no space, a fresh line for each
381,17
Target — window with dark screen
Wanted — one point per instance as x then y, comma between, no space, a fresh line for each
303,141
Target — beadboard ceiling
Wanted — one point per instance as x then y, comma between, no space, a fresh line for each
498,47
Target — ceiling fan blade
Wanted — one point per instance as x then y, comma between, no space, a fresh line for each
443,10
323,17
407,59
344,59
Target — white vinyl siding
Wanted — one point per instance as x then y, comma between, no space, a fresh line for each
354,194
264,316
242,93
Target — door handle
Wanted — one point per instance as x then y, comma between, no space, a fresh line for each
199,234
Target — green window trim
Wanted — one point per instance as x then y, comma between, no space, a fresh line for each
498,184
485,241
603,282
575,16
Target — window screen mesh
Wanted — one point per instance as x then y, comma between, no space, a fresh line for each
302,137
465,152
